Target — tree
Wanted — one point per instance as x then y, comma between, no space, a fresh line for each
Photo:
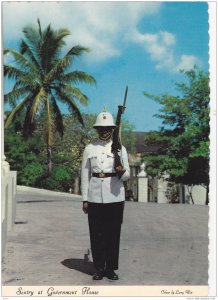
23,156
128,136
28,159
183,139
42,80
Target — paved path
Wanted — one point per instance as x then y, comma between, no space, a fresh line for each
161,244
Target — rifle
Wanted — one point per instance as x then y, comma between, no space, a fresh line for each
116,144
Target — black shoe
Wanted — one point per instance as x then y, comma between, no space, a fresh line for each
110,274
98,275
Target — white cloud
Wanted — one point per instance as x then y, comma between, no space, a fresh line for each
168,38
101,26
160,46
186,62
98,25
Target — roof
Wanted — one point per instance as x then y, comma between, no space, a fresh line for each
140,143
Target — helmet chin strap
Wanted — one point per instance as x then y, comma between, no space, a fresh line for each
106,136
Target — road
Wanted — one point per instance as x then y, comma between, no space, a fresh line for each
161,244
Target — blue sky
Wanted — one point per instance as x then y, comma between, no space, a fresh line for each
139,44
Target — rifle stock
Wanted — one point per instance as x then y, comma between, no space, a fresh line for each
116,144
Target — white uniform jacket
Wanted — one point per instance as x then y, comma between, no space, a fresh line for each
97,157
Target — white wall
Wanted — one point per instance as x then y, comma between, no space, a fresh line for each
198,193
8,192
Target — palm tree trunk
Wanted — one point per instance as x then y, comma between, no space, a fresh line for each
49,160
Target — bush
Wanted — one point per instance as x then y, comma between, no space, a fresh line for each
60,180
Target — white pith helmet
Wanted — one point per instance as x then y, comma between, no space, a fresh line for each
104,119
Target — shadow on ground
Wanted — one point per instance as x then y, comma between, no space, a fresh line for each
81,265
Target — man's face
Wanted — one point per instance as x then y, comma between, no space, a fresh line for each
104,133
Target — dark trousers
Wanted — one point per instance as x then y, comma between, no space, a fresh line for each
104,226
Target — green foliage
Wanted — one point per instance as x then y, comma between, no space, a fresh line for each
183,140
27,157
69,149
30,173
60,180
128,136
172,192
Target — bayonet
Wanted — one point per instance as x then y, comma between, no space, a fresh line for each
116,145
124,102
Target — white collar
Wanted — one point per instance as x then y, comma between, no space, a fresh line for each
101,142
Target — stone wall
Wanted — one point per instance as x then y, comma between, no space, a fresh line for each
158,190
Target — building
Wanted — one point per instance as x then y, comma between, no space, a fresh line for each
158,190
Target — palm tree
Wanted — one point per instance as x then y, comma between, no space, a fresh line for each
42,80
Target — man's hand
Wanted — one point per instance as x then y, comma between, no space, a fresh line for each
120,171
85,206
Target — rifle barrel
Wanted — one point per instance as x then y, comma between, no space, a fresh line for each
125,96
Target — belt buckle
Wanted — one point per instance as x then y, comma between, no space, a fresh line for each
101,174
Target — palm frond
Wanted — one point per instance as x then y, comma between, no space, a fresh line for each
32,36
78,50
30,80
20,59
39,26
13,72
40,74
58,68
28,125
51,44
65,61
37,103
65,97
59,124
23,79
75,93
77,77
18,108
61,33
29,51
14,95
